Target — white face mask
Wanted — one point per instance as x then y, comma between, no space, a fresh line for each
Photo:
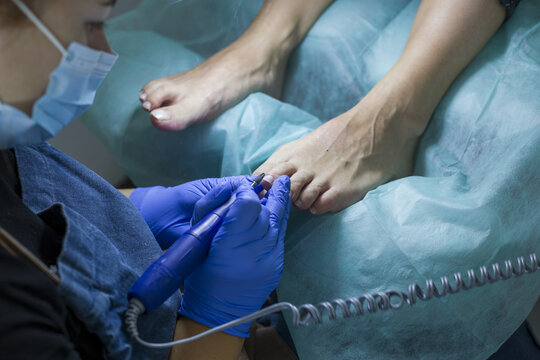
71,90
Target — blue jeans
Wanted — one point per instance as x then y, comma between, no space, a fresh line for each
106,247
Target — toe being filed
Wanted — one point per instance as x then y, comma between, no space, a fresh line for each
267,182
285,168
268,179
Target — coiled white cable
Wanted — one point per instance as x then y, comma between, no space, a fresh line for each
308,313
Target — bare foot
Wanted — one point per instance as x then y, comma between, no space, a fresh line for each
200,94
338,163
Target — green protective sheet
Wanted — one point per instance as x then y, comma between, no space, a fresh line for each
473,200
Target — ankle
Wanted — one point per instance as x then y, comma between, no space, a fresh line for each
398,93
263,61
278,43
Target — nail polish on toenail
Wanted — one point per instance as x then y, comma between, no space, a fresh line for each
313,211
268,179
147,105
161,115
298,203
142,95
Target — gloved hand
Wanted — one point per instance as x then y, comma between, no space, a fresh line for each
245,260
168,211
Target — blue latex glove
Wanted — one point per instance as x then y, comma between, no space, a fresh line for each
245,260
168,211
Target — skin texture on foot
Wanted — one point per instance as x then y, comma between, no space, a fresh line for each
374,142
255,62
200,94
335,165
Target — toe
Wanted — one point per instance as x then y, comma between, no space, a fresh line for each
151,86
161,119
267,182
275,166
326,202
298,181
309,194
159,96
180,115
142,96
168,118
285,168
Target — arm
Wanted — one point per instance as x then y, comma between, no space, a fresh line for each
244,265
126,192
244,262
217,346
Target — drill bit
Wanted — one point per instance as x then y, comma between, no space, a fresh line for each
257,180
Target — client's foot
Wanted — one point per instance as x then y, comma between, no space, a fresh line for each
338,163
200,94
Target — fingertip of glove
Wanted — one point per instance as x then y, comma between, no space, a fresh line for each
286,181
245,187
235,181
282,184
245,193
225,191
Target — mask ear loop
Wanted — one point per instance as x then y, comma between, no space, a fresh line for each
33,18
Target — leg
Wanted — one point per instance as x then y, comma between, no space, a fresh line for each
374,142
255,62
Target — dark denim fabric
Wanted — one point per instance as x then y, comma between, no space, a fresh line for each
106,247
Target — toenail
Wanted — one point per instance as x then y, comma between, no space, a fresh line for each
161,115
268,179
313,211
298,203
147,105
142,95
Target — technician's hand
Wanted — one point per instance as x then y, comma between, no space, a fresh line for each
245,260
168,211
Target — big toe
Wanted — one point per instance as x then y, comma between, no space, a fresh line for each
178,116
